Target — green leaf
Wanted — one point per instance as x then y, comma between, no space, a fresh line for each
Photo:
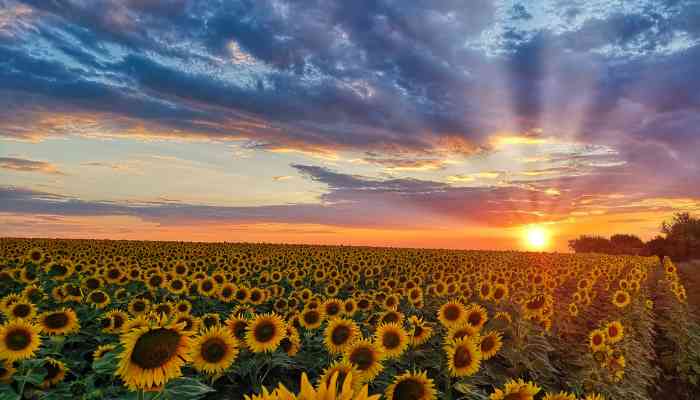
35,376
185,388
107,364
7,393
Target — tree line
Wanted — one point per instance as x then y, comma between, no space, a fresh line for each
679,239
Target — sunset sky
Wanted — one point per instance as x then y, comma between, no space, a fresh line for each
456,124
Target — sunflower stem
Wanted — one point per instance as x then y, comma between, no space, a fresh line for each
140,394
24,382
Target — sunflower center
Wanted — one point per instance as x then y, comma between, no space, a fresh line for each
98,297
487,344
408,389
418,331
36,256
597,339
255,296
154,348
52,370
311,317
391,340
239,329
207,286
56,320
226,293
213,350
332,309
114,273
515,396
621,298
340,335
462,357
391,317
21,310
139,306
363,357
286,345
265,332
155,280
17,339
118,321
452,313
240,295
474,319
177,284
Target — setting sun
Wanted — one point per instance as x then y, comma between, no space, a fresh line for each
536,237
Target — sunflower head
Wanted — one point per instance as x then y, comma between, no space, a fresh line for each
452,314
411,386
366,357
265,332
55,372
463,357
19,340
59,322
214,350
392,339
153,354
339,334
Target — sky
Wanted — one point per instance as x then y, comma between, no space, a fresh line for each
412,123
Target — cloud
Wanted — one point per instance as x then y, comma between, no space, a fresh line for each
24,165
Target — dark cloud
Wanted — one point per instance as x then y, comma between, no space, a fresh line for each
411,81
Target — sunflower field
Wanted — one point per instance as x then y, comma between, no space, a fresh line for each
93,319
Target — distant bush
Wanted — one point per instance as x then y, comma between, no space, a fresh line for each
680,241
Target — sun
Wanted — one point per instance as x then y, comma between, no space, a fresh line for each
536,237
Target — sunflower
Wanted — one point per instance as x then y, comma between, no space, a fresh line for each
411,386
339,334
139,306
22,309
102,350
500,292
183,306
155,281
98,299
59,322
238,327
19,340
227,292
462,331
117,319
476,316
55,372
350,306
614,332
35,255
153,354
210,320
559,396
519,390
392,339
164,308
463,357
265,332
366,357
490,343
326,391
596,340
291,344
242,294
177,286
6,372
452,314
421,332
391,316
311,318
621,299
214,350
191,322
594,396
332,307
207,287
343,370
